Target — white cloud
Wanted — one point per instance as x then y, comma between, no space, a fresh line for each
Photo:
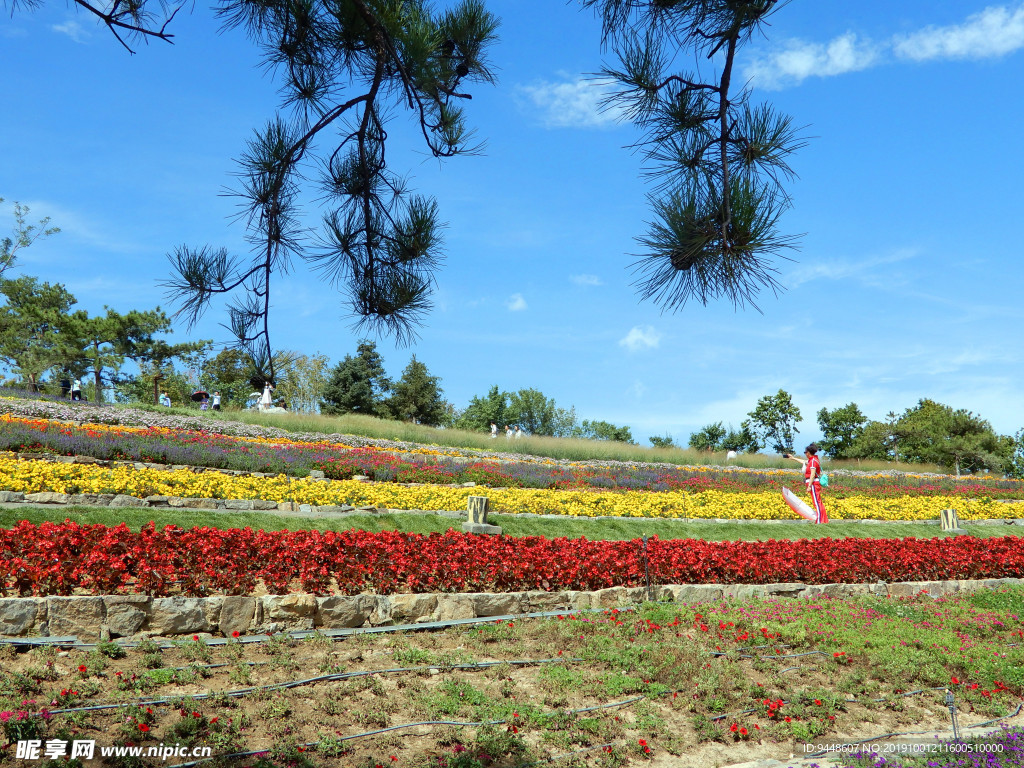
72,29
587,280
637,389
640,337
799,60
516,303
995,31
571,103
871,270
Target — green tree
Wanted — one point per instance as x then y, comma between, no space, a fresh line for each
346,68
108,340
417,396
840,428
358,384
742,440
603,430
302,381
23,236
483,411
955,438
718,162
539,415
34,329
773,421
709,438
662,442
1014,465
229,372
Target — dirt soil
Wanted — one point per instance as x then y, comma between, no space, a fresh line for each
662,699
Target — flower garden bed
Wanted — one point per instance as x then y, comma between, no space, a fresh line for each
137,480
68,558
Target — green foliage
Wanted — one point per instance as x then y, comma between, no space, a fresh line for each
229,372
417,396
841,428
35,334
773,421
603,430
23,236
539,415
1015,461
934,433
483,411
740,441
709,438
718,163
358,384
302,380
662,442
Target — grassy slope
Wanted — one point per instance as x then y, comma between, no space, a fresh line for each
512,525
565,449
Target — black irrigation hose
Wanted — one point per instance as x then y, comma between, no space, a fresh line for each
297,683
309,744
918,733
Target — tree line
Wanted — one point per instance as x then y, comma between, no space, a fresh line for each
926,433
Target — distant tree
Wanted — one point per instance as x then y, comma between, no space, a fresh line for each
34,329
709,438
840,429
539,415
229,372
603,430
1014,465
873,442
417,396
937,434
773,421
157,372
740,441
358,384
482,411
662,442
302,381
23,236
108,340
717,161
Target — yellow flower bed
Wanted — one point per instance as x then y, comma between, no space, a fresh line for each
35,476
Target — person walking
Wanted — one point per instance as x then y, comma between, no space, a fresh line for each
267,400
812,478
216,401
76,389
508,431
519,432
494,430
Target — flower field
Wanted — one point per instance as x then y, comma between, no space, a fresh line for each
575,489
58,559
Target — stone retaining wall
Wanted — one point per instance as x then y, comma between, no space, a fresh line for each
138,616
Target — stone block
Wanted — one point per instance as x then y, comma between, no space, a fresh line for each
340,611
407,609
237,504
288,608
451,607
18,614
236,614
123,500
477,508
536,601
200,503
264,504
316,474
11,496
179,616
79,616
83,499
612,597
126,614
47,497
287,506
381,613
482,528
692,593
497,604
158,501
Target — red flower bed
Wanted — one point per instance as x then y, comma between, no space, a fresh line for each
57,559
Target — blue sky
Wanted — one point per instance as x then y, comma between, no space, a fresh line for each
907,283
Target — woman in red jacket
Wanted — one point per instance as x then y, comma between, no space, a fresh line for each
812,478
